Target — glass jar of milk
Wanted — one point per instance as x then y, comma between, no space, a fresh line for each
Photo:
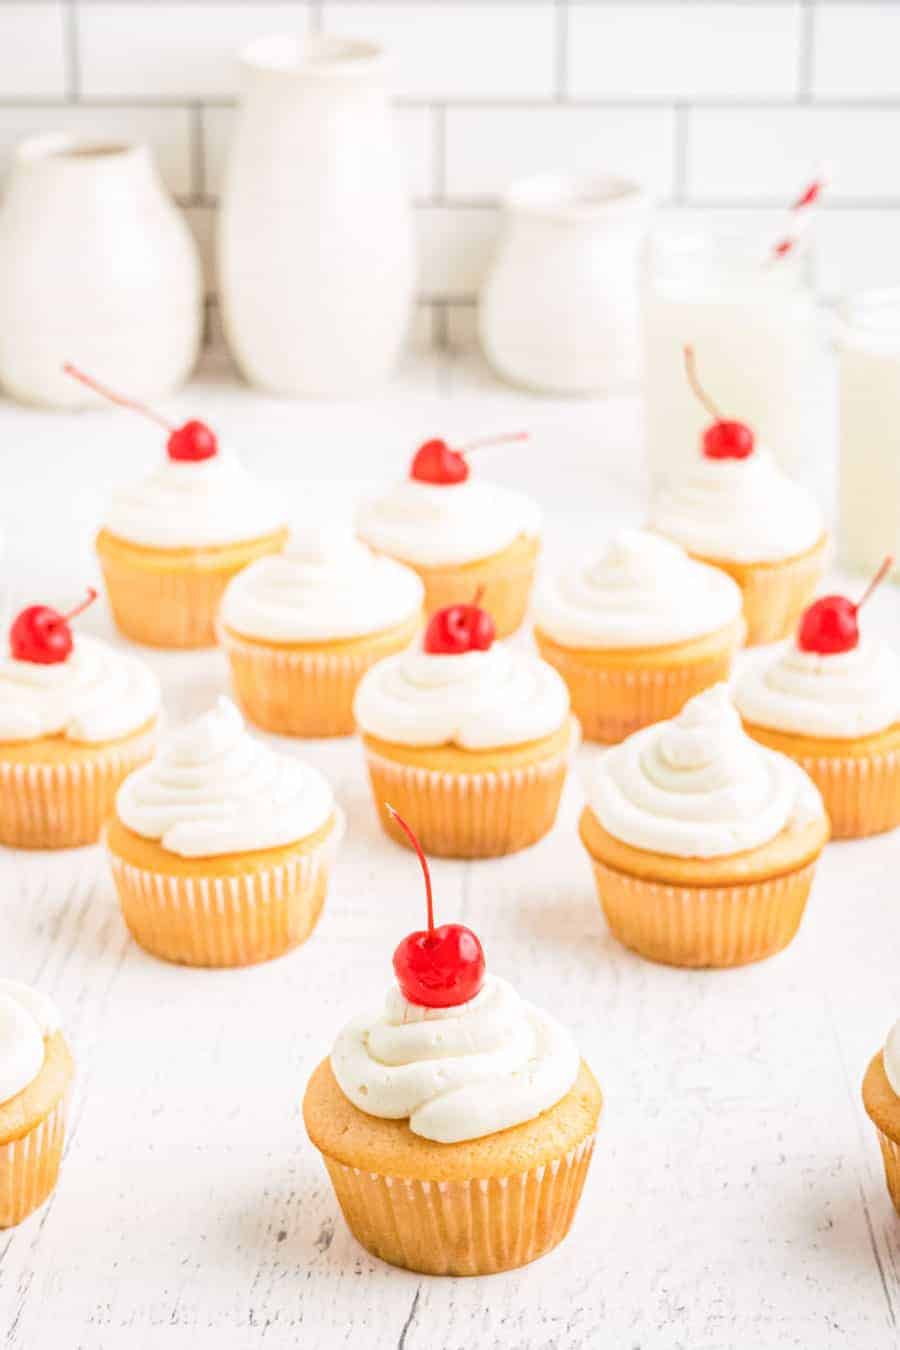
753,324
869,382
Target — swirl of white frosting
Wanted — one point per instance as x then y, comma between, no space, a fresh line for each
96,694
841,695
698,787
195,504
326,586
213,789
476,700
26,1018
456,1073
441,525
641,590
738,510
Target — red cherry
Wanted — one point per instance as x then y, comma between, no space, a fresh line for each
460,628
830,624
193,441
725,439
42,635
436,462
437,967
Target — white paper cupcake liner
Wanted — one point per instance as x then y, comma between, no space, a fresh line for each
29,1166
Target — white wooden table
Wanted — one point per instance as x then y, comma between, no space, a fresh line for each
736,1196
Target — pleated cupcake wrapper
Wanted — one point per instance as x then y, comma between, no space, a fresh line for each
861,793
295,693
611,702
890,1153
475,1227
703,926
470,815
29,1166
65,805
506,591
775,597
229,920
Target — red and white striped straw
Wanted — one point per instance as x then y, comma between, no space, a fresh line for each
800,215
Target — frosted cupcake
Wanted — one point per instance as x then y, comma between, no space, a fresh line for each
220,848
468,738
170,544
76,717
881,1098
457,1121
301,629
736,510
459,533
36,1072
636,630
703,843
830,699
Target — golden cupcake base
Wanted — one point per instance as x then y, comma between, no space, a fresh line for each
32,1134
307,689
470,804
234,910
56,793
859,780
615,692
170,597
775,594
883,1108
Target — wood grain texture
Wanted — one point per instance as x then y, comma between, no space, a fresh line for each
736,1196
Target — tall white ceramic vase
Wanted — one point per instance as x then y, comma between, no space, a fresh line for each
98,267
315,240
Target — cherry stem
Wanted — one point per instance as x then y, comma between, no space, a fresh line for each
485,441
79,609
422,859
690,365
113,397
876,581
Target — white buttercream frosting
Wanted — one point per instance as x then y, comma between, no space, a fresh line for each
841,695
738,510
892,1057
456,1073
697,786
214,789
477,700
440,525
326,586
96,694
27,1017
641,590
195,504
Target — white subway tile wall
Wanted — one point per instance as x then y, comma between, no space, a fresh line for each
722,108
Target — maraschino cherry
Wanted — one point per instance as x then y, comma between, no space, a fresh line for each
437,967
457,629
436,462
42,635
830,625
725,439
192,441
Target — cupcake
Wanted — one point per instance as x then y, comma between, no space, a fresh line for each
830,699
220,848
703,843
881,1098
635,630
76,717
459,533
470,739
171,543
36,1071
736,510
457,1121
301,629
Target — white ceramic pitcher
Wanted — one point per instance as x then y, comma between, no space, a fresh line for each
98,267
315,243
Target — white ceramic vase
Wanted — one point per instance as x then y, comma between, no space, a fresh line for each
315,239
559,310
97,267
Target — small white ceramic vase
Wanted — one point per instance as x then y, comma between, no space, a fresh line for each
315,238
97,267
559,310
